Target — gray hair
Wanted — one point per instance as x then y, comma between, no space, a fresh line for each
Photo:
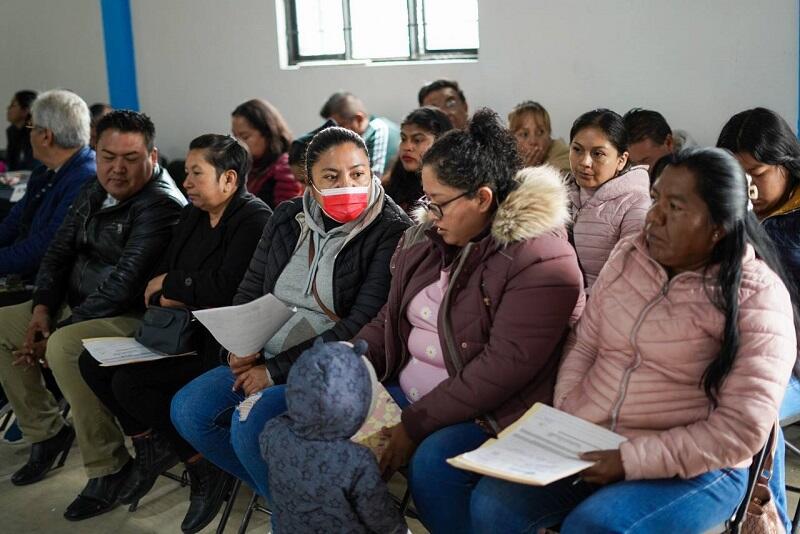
65,114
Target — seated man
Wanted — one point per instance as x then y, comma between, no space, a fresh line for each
59,138
381,135
19,156
650,140
447,96
90,284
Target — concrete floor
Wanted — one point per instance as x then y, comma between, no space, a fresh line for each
38,508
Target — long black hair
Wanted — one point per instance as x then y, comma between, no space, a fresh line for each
766,136
722,184
405,187
485,154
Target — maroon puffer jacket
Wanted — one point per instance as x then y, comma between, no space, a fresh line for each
513,295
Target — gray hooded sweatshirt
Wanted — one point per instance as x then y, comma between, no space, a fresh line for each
321,481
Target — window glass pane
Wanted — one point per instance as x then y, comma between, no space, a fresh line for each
319,27
451,24
380,28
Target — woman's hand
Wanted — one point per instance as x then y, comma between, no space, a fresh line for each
253,380
532,156
169,303
240,364
154,286
398,451
607,468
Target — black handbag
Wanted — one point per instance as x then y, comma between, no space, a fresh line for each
167,330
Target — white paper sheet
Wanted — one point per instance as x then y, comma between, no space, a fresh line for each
543,446
111,351
244,329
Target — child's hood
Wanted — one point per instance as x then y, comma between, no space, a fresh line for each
329,391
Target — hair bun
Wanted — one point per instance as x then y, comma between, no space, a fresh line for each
484,126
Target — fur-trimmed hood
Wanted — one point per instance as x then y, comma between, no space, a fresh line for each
537,206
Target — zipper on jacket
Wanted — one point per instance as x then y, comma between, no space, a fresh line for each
637,354
450,343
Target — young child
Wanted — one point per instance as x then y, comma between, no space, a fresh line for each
321,481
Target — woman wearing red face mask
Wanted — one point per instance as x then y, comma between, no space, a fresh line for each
327,254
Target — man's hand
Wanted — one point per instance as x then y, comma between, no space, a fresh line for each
31,356
607,468
241,364
154,286
253,380
169,303
398,451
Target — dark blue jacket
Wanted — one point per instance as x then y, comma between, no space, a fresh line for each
321,481
783,227
22,249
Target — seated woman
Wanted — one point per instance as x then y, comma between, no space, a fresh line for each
418,131
608,197
483,294
769,151
685,348
209,253
326,254
530,124
263,130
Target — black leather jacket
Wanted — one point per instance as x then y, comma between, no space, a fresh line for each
100,259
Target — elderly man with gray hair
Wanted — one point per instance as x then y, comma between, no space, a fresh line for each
59,137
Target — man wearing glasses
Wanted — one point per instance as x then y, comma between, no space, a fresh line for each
448,97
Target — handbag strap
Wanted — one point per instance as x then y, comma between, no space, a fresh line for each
327,311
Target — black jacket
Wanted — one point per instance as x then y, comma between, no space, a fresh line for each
19,154
214,281
100,259
361,273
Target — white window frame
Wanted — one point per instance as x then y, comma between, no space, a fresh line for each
416,38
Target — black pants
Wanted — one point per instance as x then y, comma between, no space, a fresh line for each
139,394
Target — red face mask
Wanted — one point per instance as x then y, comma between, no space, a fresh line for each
344,204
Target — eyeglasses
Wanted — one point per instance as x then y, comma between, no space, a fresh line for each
29,125
437,210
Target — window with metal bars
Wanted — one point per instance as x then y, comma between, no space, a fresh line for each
380,30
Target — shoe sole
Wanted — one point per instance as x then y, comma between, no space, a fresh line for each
61,456
224,492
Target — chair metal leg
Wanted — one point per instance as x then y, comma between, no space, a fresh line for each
226,512
248,513
796,520
6,420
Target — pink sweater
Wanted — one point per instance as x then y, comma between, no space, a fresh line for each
635,361
426,368
601,218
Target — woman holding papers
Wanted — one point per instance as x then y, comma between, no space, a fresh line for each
685,349
326,254
210,249
483,294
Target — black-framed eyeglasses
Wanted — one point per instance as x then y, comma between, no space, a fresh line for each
437,209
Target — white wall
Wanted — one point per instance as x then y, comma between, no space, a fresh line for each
697,61
46,44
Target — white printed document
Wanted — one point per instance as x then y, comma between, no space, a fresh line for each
540,448
111,351
245,328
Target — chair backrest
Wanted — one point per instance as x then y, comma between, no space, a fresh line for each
735,524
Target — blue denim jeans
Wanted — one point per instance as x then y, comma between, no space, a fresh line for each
648,506
205,412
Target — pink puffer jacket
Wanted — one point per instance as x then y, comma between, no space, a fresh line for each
635,361
616,210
